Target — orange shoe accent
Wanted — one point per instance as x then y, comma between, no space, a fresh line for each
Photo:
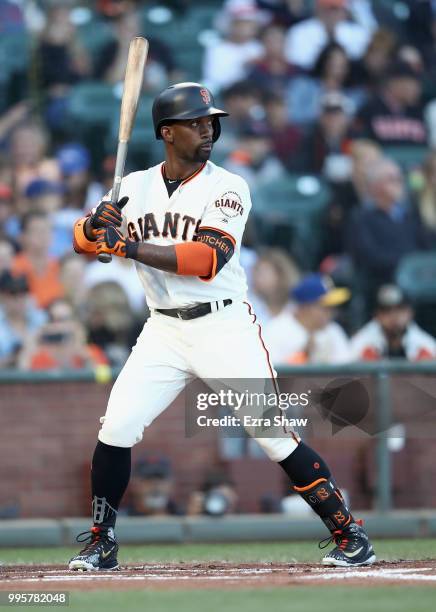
300,489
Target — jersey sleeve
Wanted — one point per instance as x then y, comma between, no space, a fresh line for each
223,222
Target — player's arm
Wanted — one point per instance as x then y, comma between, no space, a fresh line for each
187,259
212,247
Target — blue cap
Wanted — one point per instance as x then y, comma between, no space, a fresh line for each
40,187
73,158
317,288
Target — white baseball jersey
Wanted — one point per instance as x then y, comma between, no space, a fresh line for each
212,198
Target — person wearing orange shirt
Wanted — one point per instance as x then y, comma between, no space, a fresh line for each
60,344
34,261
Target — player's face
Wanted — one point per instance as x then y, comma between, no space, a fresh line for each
192,139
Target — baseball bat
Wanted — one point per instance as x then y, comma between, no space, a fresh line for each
138,51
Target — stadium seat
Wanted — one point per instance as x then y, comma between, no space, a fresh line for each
94,35
142,148
189,60
92,104
290,210
416,275
409,157
14,52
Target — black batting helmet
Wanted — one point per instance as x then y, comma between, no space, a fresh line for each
185,101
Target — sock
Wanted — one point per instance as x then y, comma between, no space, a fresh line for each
304,466
313,481
110,474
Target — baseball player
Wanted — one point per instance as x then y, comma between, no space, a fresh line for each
184,222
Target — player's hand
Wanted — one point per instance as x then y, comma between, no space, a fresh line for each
107,214
111,240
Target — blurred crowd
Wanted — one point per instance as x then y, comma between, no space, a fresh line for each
332,122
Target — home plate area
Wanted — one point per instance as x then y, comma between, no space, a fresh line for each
213,575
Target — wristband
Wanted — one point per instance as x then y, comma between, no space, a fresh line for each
131,249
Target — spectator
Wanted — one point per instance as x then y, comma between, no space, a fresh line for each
18,315
111,9
215,497
364,153
6,255
327,147
285,12
45,196
5,208
306,40
274,275
392,332
308,334
386,230
48,197
380,54
151,488
72,277
28,153
110,321
81,191
349,195
34,262
421,29
122,273
394,116
11,18
427,196
330,74
254,159
240,47
285,137
60,343
243,103
110,64
62,60
272,71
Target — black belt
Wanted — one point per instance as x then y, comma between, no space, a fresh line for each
196,311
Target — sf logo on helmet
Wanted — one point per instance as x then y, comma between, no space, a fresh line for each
205,95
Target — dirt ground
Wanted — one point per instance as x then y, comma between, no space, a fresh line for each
214,575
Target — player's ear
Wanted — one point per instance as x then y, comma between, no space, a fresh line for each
167,133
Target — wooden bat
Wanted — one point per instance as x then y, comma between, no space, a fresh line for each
138,51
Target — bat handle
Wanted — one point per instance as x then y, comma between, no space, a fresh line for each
104,258
119,171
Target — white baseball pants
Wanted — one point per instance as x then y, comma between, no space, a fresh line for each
171,352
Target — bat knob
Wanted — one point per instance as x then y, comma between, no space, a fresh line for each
104,258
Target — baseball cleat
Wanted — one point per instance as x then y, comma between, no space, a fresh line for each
353,548
100,553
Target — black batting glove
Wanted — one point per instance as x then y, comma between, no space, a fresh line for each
107,214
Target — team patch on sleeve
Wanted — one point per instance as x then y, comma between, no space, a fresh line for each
230,204
222,243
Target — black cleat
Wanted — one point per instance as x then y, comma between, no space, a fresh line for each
353,548
100,553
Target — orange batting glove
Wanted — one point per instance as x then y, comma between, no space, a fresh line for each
111,240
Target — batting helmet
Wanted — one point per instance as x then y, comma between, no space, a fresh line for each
185,101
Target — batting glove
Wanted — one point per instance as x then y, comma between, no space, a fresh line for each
111,240
107,214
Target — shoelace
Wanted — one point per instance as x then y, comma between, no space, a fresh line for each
92,536
334,538
337,538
